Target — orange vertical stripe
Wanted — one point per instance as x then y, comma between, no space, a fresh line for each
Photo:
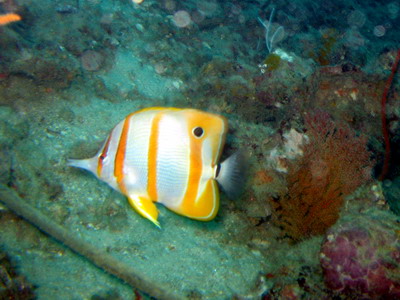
204,205
152,158
195,169
120,155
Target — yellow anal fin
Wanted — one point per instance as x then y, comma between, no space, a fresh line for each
145,207
203,208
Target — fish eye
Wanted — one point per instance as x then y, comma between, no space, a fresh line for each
198,132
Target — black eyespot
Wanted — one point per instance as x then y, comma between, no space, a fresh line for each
102,157
198,132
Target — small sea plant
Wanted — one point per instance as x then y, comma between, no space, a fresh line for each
269,36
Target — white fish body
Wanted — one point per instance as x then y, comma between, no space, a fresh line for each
169,156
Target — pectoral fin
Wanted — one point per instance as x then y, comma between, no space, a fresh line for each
145,207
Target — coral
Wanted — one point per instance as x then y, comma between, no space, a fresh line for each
335,162
360,259
272,61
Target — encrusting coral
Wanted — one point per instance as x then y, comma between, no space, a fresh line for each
334,163
361,258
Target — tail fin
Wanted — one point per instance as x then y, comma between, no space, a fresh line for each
89,164
232,174
78,163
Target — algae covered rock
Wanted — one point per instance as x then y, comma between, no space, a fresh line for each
391,190
361,258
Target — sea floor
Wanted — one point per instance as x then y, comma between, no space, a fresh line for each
187,257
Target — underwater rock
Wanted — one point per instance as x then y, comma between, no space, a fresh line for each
361,259
348,94
12,284
292,148
391,190
47,73
66,9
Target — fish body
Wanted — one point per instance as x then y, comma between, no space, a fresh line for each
169,156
